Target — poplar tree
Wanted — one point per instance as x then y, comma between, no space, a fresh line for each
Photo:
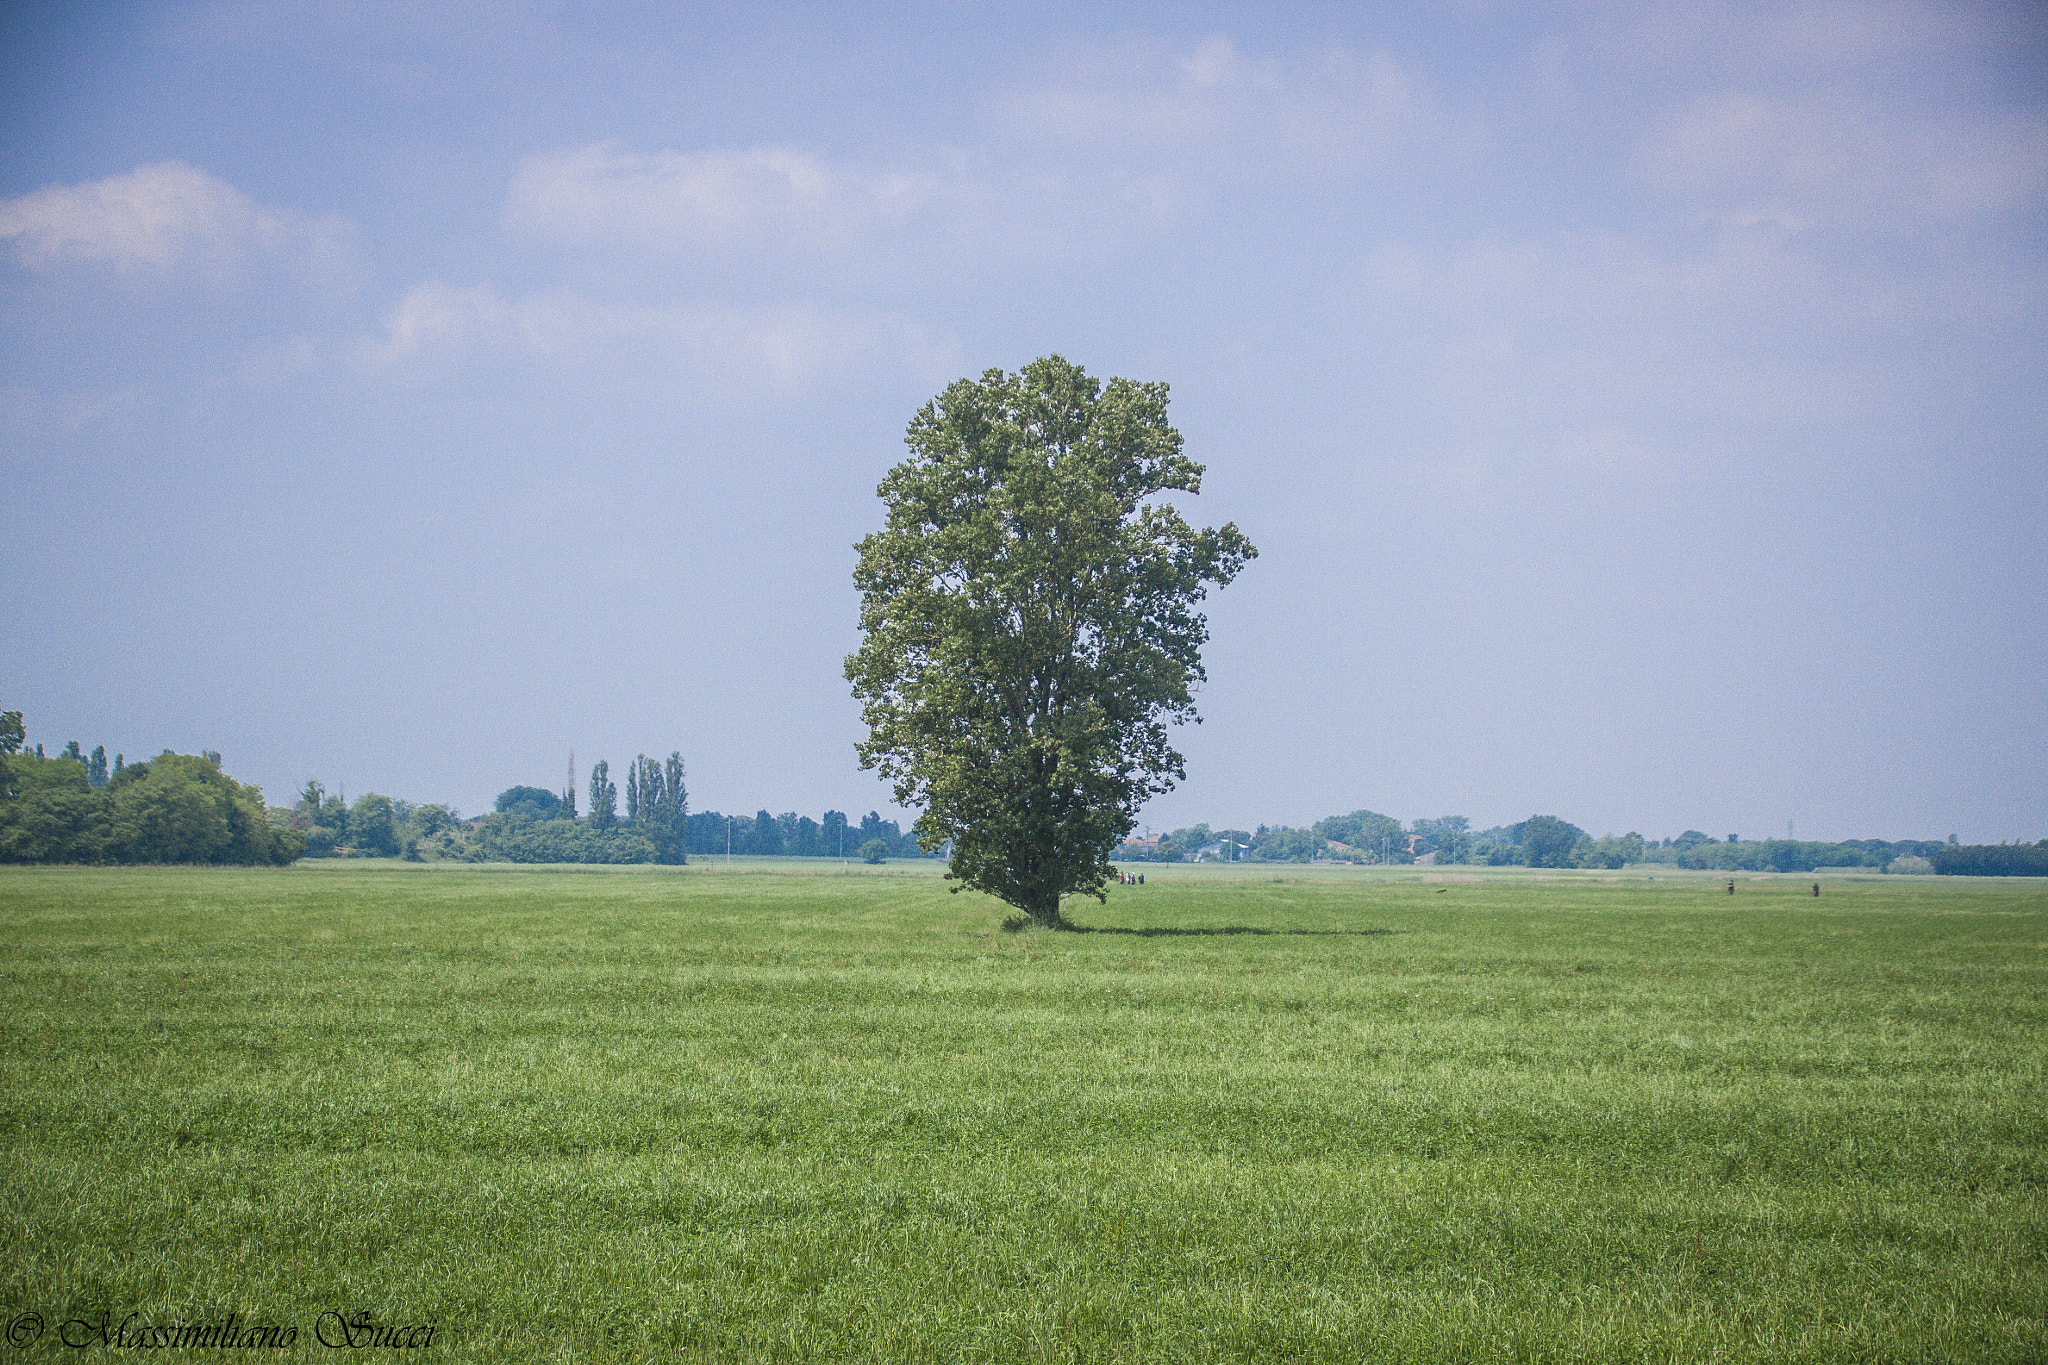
1031,625
604,796
659,806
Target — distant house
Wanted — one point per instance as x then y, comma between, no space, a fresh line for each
1214,850
1139,848
1427,860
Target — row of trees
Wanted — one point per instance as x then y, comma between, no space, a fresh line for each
798,836
174,808
533,824
1695,850
1366,836
375,826
1992,860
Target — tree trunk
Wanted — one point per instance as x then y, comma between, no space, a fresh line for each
1045,909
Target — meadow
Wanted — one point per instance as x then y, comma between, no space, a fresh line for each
810,1112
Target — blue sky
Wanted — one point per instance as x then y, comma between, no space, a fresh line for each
1638,409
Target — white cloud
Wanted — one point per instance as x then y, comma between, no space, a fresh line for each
1110,152
774,345
1213,103
668,196
726,197
164,216
781,221
1806,160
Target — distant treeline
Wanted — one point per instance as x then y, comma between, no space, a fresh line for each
181,808
534,825
1992,860
790,835
1366,836
174,808
531,825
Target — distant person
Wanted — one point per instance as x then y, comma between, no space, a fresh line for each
1816,888
1731,886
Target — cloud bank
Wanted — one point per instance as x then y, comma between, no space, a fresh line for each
162,217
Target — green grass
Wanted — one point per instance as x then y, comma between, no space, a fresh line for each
810,1112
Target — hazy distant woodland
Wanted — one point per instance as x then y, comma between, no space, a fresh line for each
83,808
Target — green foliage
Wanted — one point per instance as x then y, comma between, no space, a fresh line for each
660,806
509,837
832,842
535,803
1548,841
1237,843
1608,851
793,835
1030,624
874,851
372,827
1447,836
424,822
13,733
1284,845
334,815
1376,837
175,808
1992,860
604,796
1789,855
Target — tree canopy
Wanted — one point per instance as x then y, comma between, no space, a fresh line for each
535,803
1548,841
1030,624
175,808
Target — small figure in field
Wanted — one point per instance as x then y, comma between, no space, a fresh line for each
1731,886
1816,888
1141,879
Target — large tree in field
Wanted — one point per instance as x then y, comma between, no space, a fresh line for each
1031,625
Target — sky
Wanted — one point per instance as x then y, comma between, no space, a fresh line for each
1638,409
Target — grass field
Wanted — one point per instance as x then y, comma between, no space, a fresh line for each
814,1113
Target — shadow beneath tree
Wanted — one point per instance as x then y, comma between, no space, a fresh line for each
1224,929
1220,931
